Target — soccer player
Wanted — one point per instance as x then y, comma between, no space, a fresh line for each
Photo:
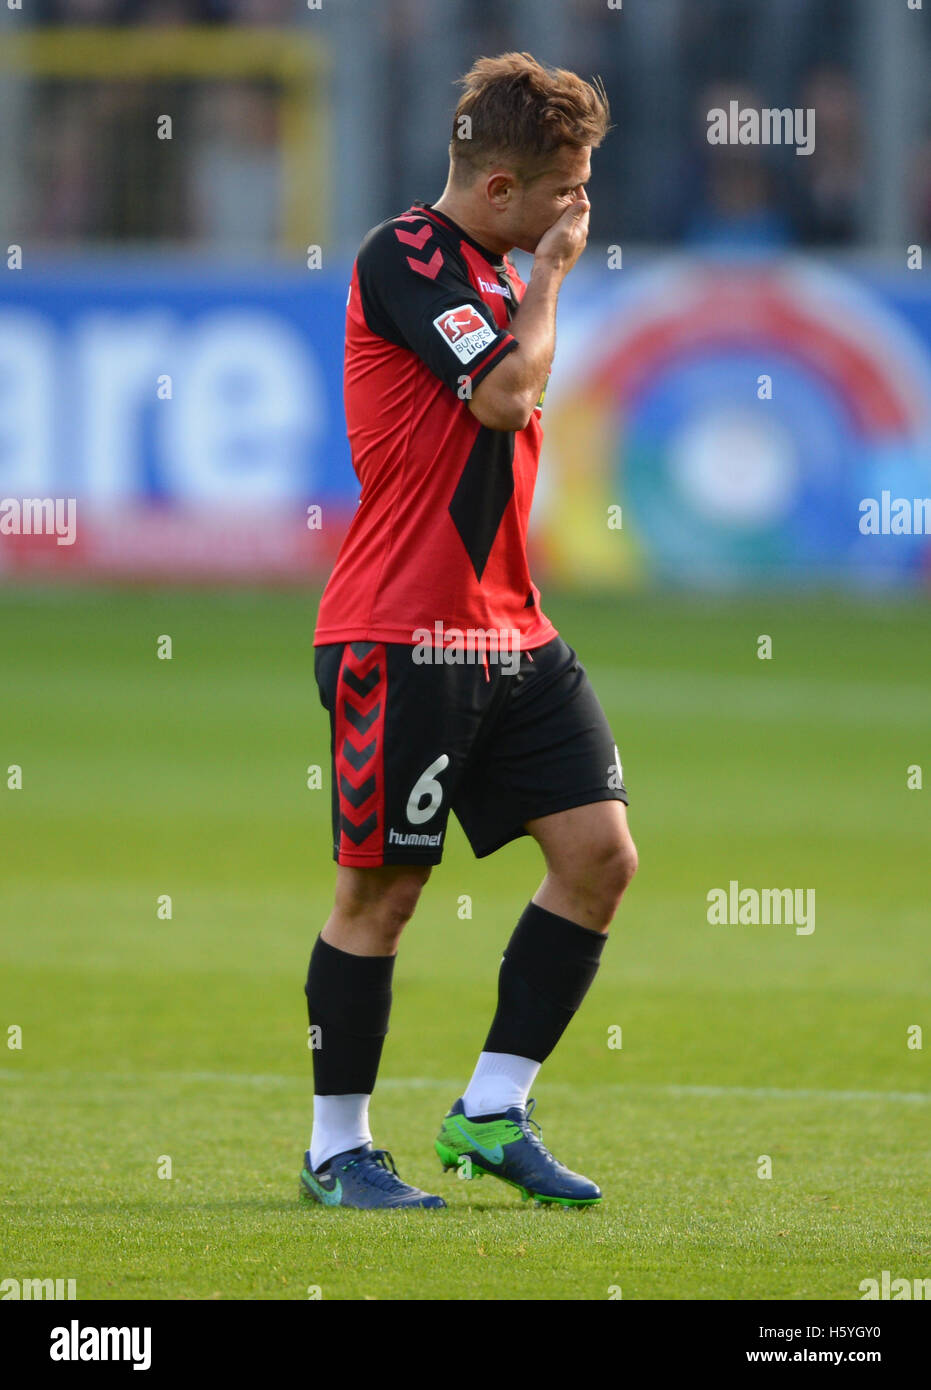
447,357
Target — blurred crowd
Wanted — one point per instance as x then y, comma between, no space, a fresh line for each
163,11
94,173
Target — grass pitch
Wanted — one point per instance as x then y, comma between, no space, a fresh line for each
146,1040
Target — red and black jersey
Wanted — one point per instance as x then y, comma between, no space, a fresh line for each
440,533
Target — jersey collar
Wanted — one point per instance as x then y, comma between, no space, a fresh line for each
491,257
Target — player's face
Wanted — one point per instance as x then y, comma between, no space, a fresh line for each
540,203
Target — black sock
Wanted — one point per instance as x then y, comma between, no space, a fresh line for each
548,966
349,999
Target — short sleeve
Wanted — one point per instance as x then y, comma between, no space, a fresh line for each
415,293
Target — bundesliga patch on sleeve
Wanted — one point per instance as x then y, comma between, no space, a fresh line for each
465,331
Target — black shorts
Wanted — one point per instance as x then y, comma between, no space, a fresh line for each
497,745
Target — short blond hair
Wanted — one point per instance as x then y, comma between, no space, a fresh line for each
520,112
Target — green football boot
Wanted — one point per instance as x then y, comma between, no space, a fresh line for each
507,1148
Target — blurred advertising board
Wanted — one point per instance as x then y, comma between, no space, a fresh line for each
709,422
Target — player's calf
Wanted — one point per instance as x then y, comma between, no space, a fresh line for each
348,993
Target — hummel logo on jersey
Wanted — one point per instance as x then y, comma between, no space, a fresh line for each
490,288
465,331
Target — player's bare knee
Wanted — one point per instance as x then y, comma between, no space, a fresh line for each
605,873
386,897
626,863
400,900
618,872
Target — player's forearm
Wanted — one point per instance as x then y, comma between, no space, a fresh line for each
534,327
514,387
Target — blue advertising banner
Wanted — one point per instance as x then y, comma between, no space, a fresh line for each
193,416
708,422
